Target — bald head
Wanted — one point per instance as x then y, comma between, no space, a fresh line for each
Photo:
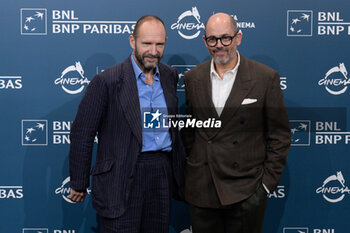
222,38
221,19
147,18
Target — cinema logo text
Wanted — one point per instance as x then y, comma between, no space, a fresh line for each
333,188
72,79
243,24
64,190
188,24
336,80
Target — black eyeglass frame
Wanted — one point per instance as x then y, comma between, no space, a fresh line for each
220,38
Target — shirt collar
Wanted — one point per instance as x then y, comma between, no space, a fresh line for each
213,72
138,72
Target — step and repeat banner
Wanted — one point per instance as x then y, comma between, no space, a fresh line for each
50,50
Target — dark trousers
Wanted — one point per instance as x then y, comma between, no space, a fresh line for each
244,217
149,200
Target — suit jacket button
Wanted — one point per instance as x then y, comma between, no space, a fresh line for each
210,142
235,142
235,165
241,122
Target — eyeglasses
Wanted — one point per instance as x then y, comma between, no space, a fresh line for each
225,40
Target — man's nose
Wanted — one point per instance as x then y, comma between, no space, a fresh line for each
219,44
153,50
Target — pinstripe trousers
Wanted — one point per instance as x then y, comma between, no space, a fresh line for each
149,200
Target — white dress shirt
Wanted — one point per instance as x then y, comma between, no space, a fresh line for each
221,88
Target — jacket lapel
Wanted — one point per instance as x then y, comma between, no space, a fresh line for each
243,84
241,88
129,99
204,94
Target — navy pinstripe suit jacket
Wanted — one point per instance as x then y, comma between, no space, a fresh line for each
111,108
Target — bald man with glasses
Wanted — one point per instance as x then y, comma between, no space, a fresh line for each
230,170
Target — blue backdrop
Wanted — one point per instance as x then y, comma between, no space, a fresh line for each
50,51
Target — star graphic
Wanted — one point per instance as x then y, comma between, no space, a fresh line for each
295,21
27,138
294,130
40,126
26,27
30,130
29,19
156,115
301,231
299,31
33,29
34,140
305,16
297,140
39,15
303,126
292,29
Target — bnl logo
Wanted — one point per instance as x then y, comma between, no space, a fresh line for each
33,21
299,23
182,70
306,230
35,230
295,230
34,132
152,120
300,130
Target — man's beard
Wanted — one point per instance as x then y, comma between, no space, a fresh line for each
141,59
223,61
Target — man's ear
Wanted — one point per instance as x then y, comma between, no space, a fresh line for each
205,43
132,41
239,38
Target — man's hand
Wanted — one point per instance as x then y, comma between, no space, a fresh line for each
77,196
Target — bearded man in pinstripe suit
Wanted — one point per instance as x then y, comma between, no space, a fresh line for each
137,170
